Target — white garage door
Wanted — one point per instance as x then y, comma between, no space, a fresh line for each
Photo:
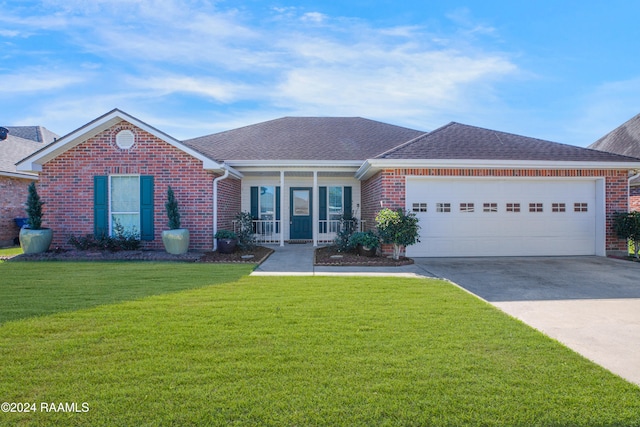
492,217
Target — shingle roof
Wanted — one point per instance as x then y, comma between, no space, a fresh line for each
458,141
625,139
20,143
304,138
32,133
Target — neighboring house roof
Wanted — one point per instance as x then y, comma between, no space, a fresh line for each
625,139
34,162
33,133
304,138
21,142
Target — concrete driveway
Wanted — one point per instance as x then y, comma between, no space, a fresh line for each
590,304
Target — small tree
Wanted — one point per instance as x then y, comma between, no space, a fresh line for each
173,212
244,231
627,226
347,226
397,227
34,208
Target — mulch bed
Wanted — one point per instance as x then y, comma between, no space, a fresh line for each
329,256
260,253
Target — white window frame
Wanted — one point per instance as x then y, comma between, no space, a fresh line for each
110,199
260,202
329,213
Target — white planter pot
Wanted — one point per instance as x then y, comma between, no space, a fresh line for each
176,242
35,241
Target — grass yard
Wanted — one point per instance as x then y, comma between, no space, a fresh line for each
286,351
11,251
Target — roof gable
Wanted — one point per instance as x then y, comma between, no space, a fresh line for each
459,141
35,161
625,139
304,138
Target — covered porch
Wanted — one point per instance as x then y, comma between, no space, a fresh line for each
300,203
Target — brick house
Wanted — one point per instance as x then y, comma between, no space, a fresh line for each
476,191
16,142
625,140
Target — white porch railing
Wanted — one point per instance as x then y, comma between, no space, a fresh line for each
268,231
328,229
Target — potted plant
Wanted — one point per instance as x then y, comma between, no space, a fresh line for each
227,241
366,242
33,238
176,239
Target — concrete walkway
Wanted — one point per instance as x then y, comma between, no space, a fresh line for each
297,260
590,304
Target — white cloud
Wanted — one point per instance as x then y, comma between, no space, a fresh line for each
211,88
37,80
134,54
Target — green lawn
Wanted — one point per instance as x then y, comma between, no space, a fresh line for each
11,251
286,351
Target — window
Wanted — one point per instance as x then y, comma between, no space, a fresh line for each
335,203
580,207
443,207
466,207
267,203
125,199
535,207
125,203
513,207
558,207
125,139
489,207
301,202
419,207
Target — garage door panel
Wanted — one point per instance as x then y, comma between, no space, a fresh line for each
479,233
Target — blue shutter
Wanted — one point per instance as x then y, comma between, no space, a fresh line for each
254,202
146,208
100,206
322,207
347,209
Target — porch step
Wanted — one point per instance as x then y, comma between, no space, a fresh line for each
299,241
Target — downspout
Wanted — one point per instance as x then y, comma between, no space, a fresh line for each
215,205
637,174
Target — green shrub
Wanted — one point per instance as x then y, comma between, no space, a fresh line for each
34,208
397,227
173,212
244,232
120,241
225,234
348,225
364,238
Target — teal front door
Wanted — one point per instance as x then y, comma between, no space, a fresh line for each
301,214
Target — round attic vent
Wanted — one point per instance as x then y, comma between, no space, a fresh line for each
125,139
3,133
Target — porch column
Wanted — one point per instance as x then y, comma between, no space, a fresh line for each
282,209
316,209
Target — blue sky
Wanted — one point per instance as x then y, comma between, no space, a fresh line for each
567,71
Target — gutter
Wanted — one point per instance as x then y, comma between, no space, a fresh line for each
631,178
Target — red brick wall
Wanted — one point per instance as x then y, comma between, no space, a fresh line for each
228,202
66,186
13,196
388,187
